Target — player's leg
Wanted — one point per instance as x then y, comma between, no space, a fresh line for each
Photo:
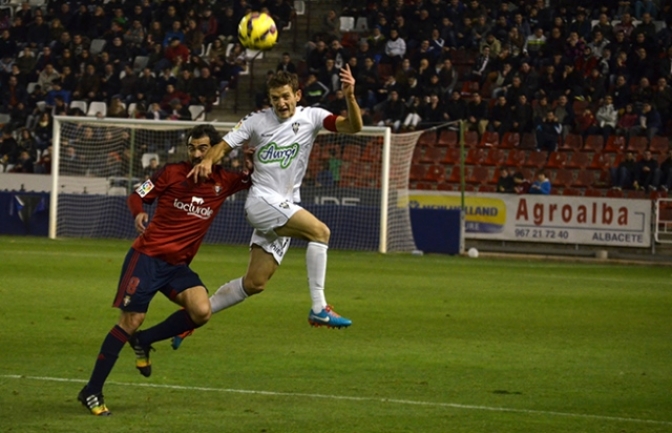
134,293
305,225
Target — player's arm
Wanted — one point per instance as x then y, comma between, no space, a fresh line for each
353,123
204,168
141,217
146,193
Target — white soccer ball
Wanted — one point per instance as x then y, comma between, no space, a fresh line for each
473,253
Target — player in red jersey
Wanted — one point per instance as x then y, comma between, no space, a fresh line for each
159,260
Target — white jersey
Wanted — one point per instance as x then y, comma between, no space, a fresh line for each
282,148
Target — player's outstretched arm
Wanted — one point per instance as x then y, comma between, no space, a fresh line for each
203,169
353,123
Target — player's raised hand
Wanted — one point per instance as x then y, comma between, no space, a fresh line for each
141,222
202,170
347,81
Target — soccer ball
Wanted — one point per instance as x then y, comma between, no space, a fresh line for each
473,253
257,31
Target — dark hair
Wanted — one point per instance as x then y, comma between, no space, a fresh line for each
283,78
201,131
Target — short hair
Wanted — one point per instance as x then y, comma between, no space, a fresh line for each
201,131
283,78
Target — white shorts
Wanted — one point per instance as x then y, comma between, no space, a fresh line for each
265,215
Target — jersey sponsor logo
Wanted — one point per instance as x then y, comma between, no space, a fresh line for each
145,188
274,153
194,208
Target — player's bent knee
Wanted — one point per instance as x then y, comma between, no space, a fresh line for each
130,321
200,313
322,233
254,286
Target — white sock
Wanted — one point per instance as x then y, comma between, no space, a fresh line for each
316,262
228,295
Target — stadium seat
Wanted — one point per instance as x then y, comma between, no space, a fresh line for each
427,138
329,150
536,159
615,143
510,139
490,139
528,141
444,186
572,142
659,144
351,171
352,152
638,194
435,173
600,161
346,24
448,138
147,157
372,152
556,160
495,157
82,105
578,160
197,112
638,144
594,143
432,155
563,177
584,178
516,158
361,24
300,7
140,62
418,172
476,156
425,186
471,138
592,192
417,154
96,107
615,193
97,46
571,192
479,175
452,156
454,176
487,188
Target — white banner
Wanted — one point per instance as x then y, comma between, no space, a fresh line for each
547,218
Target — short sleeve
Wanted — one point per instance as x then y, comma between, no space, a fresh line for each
317,116
150,189
241,132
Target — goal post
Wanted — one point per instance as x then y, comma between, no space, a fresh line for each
357,184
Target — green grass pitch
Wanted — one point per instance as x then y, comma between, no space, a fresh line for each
438,344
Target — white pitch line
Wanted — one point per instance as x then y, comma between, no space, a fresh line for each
351,398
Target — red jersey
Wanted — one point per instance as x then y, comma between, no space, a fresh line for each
185,209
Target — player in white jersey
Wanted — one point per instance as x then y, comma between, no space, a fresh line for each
283,137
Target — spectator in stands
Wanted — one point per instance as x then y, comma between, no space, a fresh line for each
413,113
595,87
42,131
9,148
534,46
314,92
395,50
432,112
564,113
540,109
155,112
337,105
393,112
502,80
39,34
477,114
27,142
205,89
89,85
548,133
521,116
286,64
448,77
586,123
152,168
464,34
47,77
644,172
71,162
329,75
603,26
116,108
542,185
13,94
500,117
178,111
662,100
663,176
643,93
622,176
57,91
649,123
317,57
368,84
482,66
606,117
505,183
331,25
171,94
24,163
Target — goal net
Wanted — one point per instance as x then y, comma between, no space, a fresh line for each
356,184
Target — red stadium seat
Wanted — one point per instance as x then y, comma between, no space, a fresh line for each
479,175
572,142
638,144
615,193
563,177
556,160
448,138
470,138
516,158
490,139
495,157
510,140
432,155
528,141
427,139
639,194
536,159
584,178
659,144
615,143
476,156
352,152
454,176
435,173
578,160
571,191
594,143
592,192
452,156
372,152
418,172
444,186
487,188
330,150
600,161
417,154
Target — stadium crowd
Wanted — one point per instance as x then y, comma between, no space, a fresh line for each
113,58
